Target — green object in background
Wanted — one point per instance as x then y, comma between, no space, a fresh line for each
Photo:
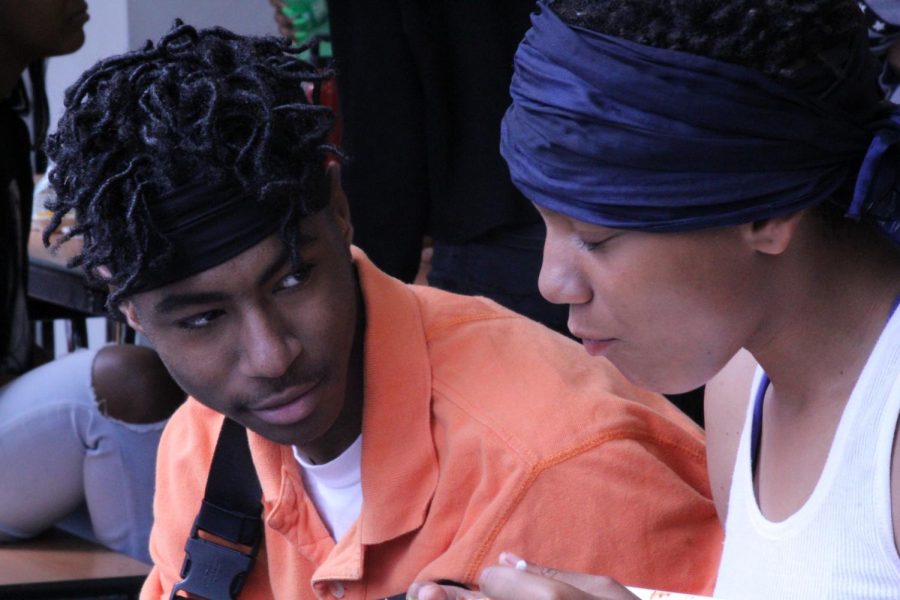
309,18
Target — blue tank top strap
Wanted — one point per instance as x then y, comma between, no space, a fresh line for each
756,425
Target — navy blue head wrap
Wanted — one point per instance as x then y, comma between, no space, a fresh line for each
624,135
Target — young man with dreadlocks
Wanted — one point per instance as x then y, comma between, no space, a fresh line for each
81,431
397,432
694,163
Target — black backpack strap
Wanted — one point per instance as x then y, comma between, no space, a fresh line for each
231,510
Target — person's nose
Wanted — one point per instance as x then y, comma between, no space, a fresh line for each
561,281
269,346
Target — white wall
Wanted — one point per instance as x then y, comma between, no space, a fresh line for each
150,19
117,26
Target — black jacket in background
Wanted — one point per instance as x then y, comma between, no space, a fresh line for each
423,85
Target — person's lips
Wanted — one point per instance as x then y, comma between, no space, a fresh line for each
597,347
594,345
288,407
80,15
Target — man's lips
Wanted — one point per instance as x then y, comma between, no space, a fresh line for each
288,407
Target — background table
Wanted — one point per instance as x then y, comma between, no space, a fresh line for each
57,292
57,565
51,281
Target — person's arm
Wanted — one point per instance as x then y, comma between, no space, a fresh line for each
525,581
285,27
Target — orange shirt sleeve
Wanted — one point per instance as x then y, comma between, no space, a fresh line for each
182,467
651,525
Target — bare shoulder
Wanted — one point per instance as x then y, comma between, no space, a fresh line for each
725,407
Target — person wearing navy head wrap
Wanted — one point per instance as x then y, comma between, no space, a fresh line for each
719,181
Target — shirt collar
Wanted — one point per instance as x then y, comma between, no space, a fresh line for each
399,464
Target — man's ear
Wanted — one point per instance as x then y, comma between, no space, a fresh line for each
126,307
772,236
338,201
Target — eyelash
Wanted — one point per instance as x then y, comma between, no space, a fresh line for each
300,274
590,246
187,323
210,315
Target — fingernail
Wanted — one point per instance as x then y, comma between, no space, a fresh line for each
511,560
521,565
413,590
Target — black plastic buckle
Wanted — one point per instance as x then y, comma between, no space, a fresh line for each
211,570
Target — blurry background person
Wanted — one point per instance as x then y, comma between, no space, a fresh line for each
882,19
422,88
82,430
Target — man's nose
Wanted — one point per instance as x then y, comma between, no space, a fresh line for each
269,346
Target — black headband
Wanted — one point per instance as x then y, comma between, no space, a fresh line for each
205,225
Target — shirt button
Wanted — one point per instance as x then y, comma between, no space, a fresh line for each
337,589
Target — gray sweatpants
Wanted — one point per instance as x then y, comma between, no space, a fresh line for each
59,454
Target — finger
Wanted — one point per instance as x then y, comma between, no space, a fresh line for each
427,590
509,583
597,586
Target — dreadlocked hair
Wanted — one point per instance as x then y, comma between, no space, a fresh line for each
206,105
770,36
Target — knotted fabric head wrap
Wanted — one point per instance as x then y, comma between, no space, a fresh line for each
205,225
624,135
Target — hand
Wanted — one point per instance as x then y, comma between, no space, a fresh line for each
515,579
428,590
285,27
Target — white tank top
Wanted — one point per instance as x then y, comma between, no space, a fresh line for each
840,543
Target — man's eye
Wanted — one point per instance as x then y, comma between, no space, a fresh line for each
200,321
294,279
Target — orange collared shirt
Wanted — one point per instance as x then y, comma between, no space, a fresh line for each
482,432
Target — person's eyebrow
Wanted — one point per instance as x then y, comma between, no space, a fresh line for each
302,242
273,268
174,302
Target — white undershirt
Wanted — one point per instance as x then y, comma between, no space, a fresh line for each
335,488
